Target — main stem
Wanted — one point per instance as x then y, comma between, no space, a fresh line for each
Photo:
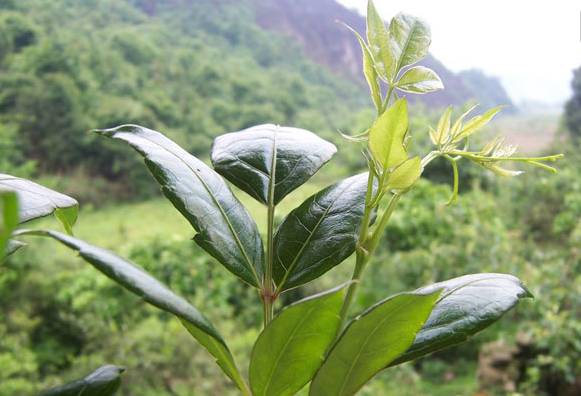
268,296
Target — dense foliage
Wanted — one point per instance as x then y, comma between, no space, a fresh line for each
573,107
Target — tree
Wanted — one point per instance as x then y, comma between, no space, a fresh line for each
573,107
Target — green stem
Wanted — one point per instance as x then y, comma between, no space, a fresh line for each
268,296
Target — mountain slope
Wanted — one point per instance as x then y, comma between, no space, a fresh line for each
314,25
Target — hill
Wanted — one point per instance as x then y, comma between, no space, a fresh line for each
313,25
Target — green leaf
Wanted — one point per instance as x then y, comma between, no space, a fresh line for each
67,217
224,227
443,128
410,39
320,233
270,156
478,122
369,71
8,221
386,136
378,39
291,348
35,200
405,175
12,247
371,342
105,381
139,282
420,80
467,305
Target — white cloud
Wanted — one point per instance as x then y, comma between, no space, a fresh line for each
532,46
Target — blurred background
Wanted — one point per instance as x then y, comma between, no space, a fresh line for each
195,69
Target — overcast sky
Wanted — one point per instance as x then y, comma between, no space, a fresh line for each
532,46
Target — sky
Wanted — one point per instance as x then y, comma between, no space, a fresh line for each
532,46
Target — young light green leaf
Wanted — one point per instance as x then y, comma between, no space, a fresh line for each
320,233
478,122
457,127
292,347
105,381
410,39
268,156
8,220
35,200
378,39
419,80
67,217
371,342
224,227
369,71
139,282
387,134
405,175
467,305
443,128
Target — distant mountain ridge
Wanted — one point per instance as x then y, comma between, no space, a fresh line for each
313,24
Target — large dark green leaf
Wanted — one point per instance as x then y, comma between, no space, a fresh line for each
105,381
467,305
292,347
225,229
270,156
370,342
154,292
8,221
37,201
320,233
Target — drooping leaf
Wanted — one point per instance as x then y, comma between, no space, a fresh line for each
139,282
320,233
370,342
12,247
467,305
405,175
35,200
419,80
224,227
8,221
378,39
270,156
67,217
105,381
386,136
410,39
369,71
291,348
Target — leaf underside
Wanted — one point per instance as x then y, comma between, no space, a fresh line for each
291,348
104,381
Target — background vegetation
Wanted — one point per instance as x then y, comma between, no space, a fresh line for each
195,72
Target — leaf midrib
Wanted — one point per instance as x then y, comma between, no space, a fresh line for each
211,194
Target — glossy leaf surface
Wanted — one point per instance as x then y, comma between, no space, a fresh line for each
37,201
467,305
419,80
270,156
105,381
224,227
291,348
320,233
386,136
139,282
410,39
370,342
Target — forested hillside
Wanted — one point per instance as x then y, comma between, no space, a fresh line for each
191,69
